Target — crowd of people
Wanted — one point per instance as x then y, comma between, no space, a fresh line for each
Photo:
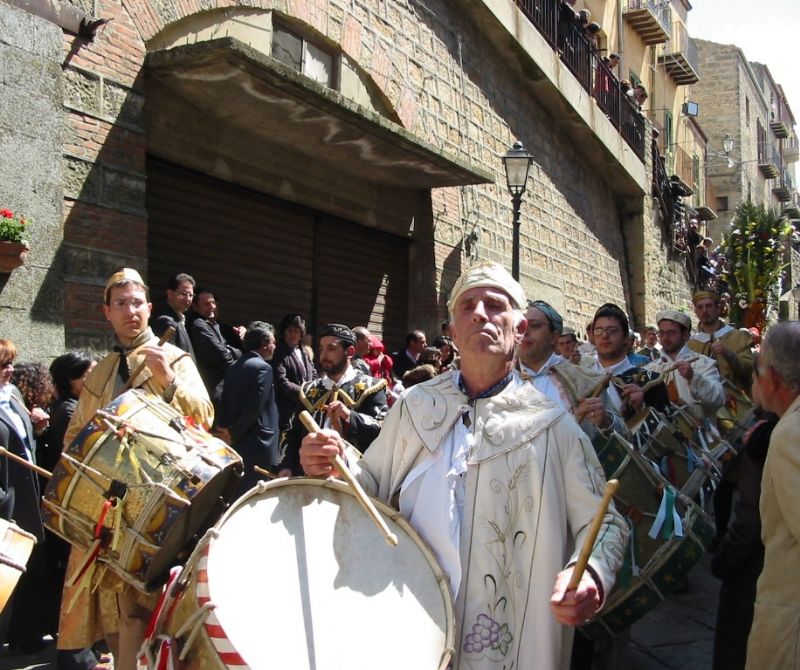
483,441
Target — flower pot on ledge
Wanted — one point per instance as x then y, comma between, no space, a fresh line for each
12,255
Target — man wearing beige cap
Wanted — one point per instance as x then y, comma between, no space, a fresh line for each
694,383
499,481
170,373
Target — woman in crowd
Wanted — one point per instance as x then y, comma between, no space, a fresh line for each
19,499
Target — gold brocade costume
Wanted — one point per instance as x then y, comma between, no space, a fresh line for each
740,343
94,614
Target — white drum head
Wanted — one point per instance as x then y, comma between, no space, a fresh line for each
302,578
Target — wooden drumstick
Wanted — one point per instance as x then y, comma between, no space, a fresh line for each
363,498
27,464
265,472
169,333
594,529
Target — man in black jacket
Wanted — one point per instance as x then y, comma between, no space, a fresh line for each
248,418
345,399
180,292
213,351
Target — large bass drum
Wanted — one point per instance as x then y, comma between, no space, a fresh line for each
296,575
137,485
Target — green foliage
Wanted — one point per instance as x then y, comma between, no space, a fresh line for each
754,247
13,228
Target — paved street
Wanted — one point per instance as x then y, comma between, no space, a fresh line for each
677,635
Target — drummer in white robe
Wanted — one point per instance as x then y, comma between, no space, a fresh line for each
500,482
696,384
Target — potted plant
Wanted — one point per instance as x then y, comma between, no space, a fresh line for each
14,245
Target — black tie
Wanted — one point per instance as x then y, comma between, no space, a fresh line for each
124,370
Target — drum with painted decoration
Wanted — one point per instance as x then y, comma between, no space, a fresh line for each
669,533
138,486
296,575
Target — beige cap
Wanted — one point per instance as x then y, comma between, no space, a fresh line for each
491,275
677,317
125,274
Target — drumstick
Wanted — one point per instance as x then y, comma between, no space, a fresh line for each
265,472
27,464
594,529
341,466
169,333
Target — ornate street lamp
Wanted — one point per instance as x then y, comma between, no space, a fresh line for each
727,143
518,164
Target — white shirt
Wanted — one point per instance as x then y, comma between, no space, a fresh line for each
542,380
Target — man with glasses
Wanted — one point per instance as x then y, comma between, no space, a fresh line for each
168,373
180,293
609,331
696,384
776,624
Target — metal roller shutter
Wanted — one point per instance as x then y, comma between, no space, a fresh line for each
253,251
265,257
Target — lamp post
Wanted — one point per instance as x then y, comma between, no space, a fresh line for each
517,164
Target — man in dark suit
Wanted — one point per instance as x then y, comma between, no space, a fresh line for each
248,419
406,359
180,293
213,352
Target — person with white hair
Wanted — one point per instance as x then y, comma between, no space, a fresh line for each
500,482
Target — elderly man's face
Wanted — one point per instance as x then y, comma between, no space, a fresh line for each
483,323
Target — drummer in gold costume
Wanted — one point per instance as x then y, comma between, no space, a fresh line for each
115,611
730,347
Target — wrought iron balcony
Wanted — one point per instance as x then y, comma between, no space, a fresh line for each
769,161
556,22
649,18
785,187
791,150
680,57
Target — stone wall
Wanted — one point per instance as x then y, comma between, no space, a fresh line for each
31,127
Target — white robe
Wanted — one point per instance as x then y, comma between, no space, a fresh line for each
532,486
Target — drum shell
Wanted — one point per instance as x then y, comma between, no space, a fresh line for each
192,476
196,586
663,563
15,550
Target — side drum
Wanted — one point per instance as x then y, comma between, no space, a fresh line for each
138,486
16,546
296,575
653,565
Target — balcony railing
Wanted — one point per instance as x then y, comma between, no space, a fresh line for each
769,160
684,170
661,184
649,18
791,150
784,188
556,22
680,57
791,209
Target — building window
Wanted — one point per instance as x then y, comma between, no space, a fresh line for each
696,177
635,81
722,203
747,111
301,55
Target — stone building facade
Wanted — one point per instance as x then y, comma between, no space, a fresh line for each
380,185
